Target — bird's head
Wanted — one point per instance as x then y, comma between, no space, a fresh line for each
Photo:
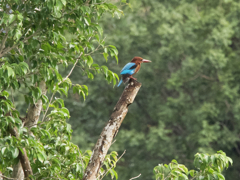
139,60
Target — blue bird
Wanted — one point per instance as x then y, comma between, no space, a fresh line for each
131,68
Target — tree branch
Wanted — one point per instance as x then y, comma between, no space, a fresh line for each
208,78
35,109
25,163
5,177
3,42
48,106
74,64
31,121
135,177
110,130
6,50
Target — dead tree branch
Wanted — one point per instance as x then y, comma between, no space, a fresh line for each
110,130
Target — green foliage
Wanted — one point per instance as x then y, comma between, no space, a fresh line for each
208,167
38,39
189,100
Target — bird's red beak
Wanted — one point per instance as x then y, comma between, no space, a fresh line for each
146,61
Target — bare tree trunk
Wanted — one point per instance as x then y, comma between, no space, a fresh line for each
110,130
17,171
31,121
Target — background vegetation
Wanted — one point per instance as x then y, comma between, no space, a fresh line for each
189,101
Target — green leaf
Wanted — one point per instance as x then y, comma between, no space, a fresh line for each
230,160
183,168
15,153
59,101
83,95
20,17
220,176
40,157
90,75
85,89
3,150
212,159
105,56
66,112
105,70
191,172
69,128
100,30
12,17
10,119
87,20
24,67
18,34
36,93
64,2
116,76
10,72
116,57
184,176
44,99
5,94
114,49
56,162
89,61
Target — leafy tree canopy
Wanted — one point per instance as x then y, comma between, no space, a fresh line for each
39,38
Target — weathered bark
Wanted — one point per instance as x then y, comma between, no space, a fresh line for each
23,168
35,109
17,171
110,130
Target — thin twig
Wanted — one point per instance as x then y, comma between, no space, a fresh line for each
72,68
206,77
10,48
194,77
96,48
65,79
48,106
3,42
113,165
113,141
74,64
6,177
135,177
12,95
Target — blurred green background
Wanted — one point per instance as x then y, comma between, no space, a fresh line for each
190,99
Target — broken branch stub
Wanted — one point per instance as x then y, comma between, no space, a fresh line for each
110,130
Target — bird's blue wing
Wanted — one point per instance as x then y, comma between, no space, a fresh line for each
129,68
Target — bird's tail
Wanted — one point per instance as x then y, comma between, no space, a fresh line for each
119,83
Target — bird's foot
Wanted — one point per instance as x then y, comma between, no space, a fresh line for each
133,78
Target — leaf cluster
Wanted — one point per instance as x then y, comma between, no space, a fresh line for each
209,167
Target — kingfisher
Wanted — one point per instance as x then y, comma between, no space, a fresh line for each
131,68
